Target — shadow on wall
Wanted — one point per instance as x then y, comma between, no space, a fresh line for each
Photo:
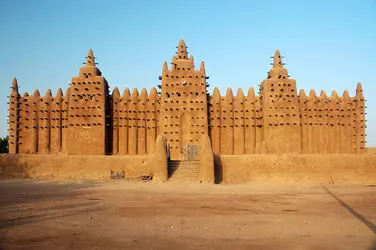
12,168
218,169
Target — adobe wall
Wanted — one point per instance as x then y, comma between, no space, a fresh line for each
87,120
134,122
296,168
72,166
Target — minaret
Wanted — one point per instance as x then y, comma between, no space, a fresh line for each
89,120
13,118
277,60
183,111
181,50
280,106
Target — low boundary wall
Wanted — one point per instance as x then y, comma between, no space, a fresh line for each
229,169
72,166
233,169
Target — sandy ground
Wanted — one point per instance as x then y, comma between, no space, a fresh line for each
122,215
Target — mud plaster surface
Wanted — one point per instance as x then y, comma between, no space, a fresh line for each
120,215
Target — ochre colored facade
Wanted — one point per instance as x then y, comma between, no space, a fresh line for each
87,120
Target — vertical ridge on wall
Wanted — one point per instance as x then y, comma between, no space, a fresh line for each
35,134
64,122
347,121
44,119
115,121
24,144
227,124
215,120
322,108
249,122
124,121
336,122
303,120
360,129
151,122
342,126
259,125
312,135
56,122
141,124
132,127
157,114
13,118
239,123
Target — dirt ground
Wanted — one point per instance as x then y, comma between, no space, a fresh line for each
122,215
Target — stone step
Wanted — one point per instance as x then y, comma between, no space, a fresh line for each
184,175
193,177
183,165
183,171
183,162
192,168
182,181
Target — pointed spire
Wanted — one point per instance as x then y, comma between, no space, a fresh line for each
229,95
126,93
359,89
202,66
277,62
192,59
59,93
302,93
48,93
323,93
144,94
153,94
346,95
164,67
251,94
116,93
25,94
240,94
182,50
67,93
334,94
312,94
36,93
216,94
90,59
14,85
135,92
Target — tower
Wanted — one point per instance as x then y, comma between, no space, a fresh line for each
88,119
183,115
280,108
14,118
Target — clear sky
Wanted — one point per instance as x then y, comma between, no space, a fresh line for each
327,44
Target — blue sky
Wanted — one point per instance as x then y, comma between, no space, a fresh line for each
327,44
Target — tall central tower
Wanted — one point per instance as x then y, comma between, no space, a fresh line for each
183,115
88,121
279,100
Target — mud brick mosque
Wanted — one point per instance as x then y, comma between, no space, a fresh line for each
88,120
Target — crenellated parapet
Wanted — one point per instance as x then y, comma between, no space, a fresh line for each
40,127
233,122
134,121
332,124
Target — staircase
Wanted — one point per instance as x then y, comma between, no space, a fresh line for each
183,171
